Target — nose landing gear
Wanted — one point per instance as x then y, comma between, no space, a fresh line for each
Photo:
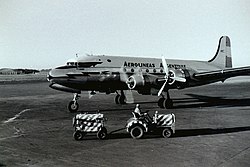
73,106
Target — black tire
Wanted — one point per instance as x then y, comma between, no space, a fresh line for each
78,135
102,133
160,102
73,106
167,132
168,103
117,99
136,132
122,100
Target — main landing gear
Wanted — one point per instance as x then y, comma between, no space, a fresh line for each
120,98
165,102
73,106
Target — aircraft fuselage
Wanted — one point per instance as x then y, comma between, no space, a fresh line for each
102,73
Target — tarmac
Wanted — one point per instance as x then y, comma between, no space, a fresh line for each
212,128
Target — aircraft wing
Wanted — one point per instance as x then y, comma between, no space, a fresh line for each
222,74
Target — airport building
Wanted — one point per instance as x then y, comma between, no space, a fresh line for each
9,71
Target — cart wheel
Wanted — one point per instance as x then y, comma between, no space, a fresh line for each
137,132
102,133
78,135
167,132
73,106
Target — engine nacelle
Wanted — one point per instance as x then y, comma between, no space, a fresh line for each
135,81
177,78
178,74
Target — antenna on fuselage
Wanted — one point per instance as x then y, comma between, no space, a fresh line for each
76,61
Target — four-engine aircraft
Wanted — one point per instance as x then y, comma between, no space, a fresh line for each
147,76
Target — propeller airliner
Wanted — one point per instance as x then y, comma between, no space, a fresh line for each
147,76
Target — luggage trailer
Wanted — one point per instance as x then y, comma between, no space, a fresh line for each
89,123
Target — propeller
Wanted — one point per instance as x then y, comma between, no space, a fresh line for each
128,93
169,75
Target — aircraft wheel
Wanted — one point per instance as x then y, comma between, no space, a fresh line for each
102,133
122,100
117,99
168,103
167,132
137,132
160,102
78,135
73,106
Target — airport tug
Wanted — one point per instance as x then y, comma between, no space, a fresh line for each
139,124
89,123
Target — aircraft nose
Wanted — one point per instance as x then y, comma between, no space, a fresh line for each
56,75
49,76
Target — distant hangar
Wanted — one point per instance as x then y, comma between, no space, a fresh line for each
9,71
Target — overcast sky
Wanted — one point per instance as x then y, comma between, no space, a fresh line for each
44,33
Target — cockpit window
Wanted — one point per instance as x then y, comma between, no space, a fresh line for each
79,65
71,63
86,64
66,67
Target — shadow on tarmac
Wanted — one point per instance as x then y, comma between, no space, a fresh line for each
1,165
115,109
178,133
208,131
194,101
208,101
182,132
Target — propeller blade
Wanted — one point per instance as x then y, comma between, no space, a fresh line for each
163,86
179,79
129,96
165,66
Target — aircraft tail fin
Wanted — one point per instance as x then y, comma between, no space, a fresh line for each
223,58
